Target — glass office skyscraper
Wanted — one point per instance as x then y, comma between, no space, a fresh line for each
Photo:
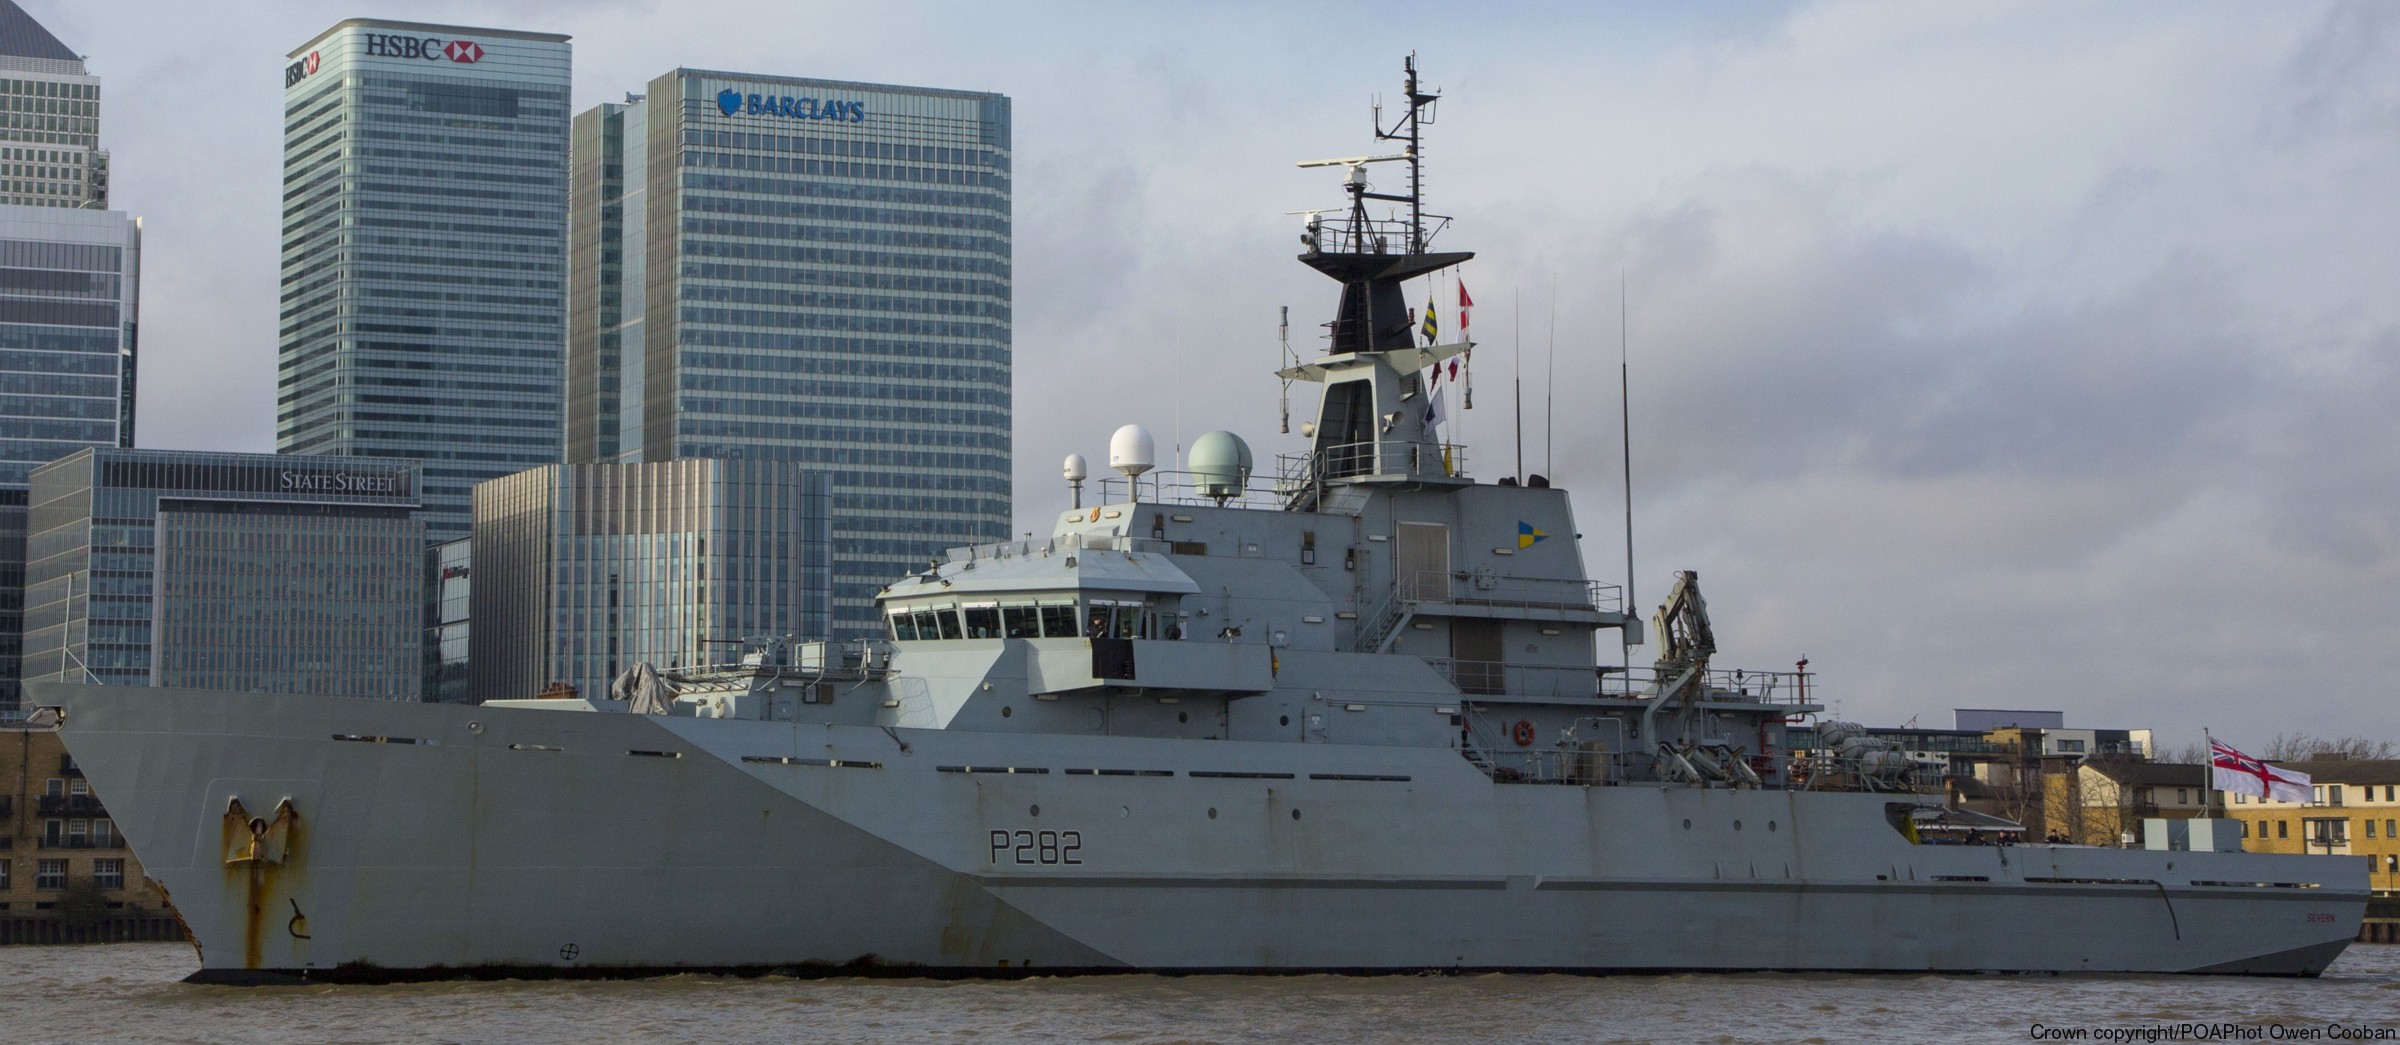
68,304
70,272
424,252
226,571
50,153
583,570
803,270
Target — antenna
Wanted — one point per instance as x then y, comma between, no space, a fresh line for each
1283,328
1625,420
1550,382
1178,349
1407,128
1519,294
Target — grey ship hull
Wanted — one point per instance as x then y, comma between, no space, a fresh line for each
514,841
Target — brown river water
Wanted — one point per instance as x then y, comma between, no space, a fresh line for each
133,993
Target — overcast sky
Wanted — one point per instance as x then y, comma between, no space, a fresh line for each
1989,355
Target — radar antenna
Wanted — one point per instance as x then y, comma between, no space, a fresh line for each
1408,128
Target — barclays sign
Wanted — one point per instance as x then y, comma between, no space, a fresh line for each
735,103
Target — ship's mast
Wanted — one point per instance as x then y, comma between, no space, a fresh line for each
1410,129
1373,424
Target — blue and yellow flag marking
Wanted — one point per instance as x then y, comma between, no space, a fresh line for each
1527,535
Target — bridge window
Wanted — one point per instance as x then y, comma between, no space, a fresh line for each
1021,622
904,626
949,622
927,627
983,621
1058,622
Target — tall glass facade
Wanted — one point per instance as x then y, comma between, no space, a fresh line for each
12,600
68,288
583,570
449,583
68,317
50,153
226,571
424,252
69,273
803,270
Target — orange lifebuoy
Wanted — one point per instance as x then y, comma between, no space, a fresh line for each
1522,734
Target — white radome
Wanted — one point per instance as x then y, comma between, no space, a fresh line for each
1132,451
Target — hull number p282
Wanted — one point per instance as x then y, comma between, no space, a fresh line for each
1036,847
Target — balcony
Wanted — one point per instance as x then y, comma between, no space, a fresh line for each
81,843
69,805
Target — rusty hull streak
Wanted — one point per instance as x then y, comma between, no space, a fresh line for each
255,853
169,899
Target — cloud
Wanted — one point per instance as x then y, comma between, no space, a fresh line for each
2141,505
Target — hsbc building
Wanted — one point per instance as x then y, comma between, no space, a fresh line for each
424,252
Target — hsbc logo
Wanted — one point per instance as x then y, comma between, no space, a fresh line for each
300,70
424,48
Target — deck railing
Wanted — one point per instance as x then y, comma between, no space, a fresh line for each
1765,687
1298,472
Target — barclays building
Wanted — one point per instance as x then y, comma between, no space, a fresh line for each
810,271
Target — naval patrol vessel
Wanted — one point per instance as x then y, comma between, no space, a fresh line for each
1348,716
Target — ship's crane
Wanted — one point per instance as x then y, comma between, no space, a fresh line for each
1685,638
1685,642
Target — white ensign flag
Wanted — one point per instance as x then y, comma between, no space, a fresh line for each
2237,773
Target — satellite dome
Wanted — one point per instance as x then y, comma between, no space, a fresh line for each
1075,468
1220,465
1132,451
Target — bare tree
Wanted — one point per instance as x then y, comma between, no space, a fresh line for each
2062,807
2301,747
